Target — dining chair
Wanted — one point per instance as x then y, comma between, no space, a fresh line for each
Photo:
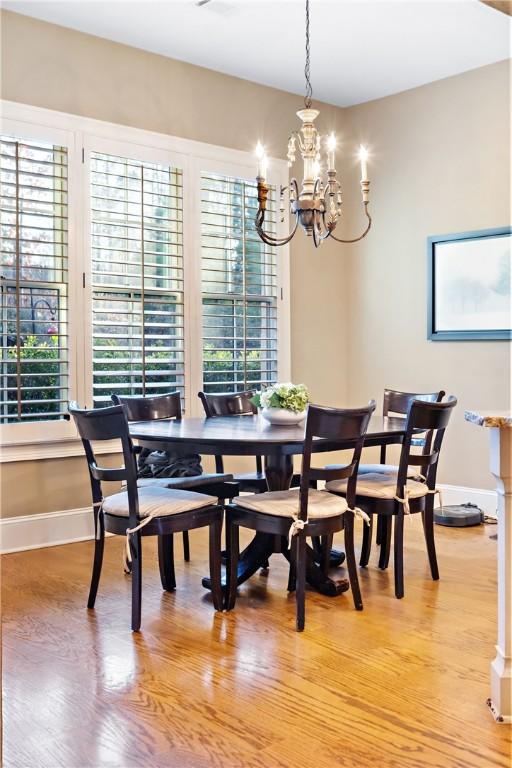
391,494
296,514
394,403
137,512
238,404
168,406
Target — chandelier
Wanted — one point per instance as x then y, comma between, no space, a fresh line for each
317,205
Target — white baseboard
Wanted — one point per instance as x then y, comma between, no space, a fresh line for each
47,530
487,501
52,529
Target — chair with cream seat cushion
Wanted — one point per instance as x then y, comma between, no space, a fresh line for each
163,407
137,512
394,494
296,514
396,404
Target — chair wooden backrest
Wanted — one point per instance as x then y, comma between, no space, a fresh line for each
229,404
337,425
396,403
150,408
431,417
108,424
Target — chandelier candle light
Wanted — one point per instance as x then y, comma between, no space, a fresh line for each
317,206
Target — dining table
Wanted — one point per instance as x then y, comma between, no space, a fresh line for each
251,435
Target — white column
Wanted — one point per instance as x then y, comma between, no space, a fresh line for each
501,668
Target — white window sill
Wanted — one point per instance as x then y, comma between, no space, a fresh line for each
56,449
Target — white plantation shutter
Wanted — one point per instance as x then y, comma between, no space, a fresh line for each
137,277
239,288
34,366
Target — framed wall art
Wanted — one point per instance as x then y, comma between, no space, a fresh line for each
470,285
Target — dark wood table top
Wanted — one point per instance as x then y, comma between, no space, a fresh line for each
248,435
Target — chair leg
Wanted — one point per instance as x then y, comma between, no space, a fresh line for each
166,561
326,553
385,547
99,545
292,576
136,550
378,534
186,547
233,551
351,561
366,545
300,580
215,570
399,555
428,527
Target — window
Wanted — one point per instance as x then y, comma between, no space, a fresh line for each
129,264
137,278
34,368
239,288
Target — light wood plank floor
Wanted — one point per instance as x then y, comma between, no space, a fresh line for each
401,685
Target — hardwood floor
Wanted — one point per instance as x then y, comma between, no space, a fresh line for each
401,685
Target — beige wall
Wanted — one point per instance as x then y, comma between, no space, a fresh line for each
438,166
441,164
37,487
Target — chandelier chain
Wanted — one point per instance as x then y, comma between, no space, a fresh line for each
309,89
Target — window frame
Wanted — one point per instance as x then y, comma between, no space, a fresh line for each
277,176
81,136
31,432
245,172
143,153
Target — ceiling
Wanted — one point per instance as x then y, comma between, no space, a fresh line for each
360,50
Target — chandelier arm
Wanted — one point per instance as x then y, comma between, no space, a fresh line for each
268,239
317,240
356,239
315,232
318,236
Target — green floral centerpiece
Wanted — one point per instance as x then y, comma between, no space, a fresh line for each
283,403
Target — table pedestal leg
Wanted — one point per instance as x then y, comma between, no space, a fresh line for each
278,471
500,702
